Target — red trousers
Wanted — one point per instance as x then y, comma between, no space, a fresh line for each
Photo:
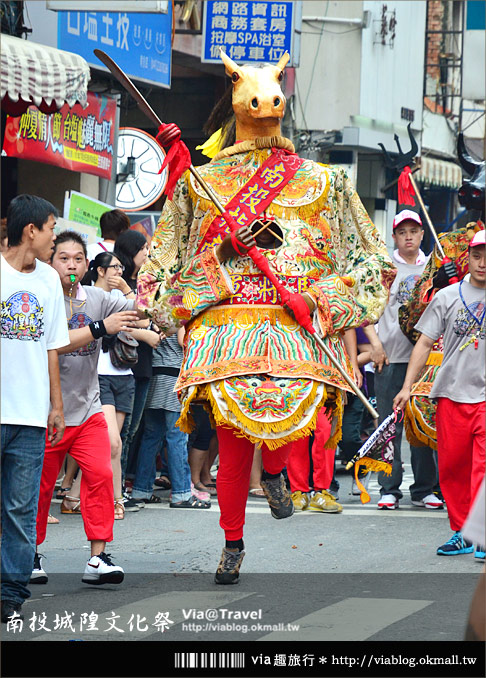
89,445
298,465
233,479
461,453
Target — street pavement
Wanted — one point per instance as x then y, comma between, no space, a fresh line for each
363,574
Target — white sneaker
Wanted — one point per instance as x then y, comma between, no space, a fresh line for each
388,501
365,481
100,570
429,502
38,575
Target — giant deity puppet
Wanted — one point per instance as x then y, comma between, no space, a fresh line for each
258,372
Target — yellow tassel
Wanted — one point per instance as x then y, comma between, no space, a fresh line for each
435,358
364,496
211,146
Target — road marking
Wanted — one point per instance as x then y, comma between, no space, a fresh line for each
351,619
172,603
356,510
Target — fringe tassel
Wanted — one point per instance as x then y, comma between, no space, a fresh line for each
435,358
224,315
364,496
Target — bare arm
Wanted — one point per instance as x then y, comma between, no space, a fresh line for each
55,421
417,362
114,323
377,352
351,344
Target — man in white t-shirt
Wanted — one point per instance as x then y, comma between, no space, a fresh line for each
395,350
457,312
112,223
33,328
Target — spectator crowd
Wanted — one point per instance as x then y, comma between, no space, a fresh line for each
89,411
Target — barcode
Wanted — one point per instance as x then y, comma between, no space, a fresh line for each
209,660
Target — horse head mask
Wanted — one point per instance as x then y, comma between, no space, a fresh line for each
258,100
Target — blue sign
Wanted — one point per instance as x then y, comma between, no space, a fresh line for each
251,32
140,43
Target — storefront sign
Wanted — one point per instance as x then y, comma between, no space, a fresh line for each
139,43
251,31
77,139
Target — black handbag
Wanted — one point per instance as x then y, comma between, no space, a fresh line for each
122,348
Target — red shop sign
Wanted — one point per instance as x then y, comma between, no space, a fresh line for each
76,138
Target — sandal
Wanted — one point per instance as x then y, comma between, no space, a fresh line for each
71,510
62,492
256,492
154,499
202,487
51,520
163,482
119,509
192,502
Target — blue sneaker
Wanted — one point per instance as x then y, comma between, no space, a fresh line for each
479,553
456,546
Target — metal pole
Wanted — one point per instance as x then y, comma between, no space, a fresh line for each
427,218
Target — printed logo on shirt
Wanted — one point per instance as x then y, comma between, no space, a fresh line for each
405,288
77,321
464,324
22,317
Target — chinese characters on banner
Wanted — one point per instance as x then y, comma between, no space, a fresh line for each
250,31
139,43
74,138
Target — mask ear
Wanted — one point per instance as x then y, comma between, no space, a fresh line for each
232,69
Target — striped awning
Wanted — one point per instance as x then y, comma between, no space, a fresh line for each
435,172
40,75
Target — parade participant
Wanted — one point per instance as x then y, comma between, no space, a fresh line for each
457,312
33,328
419,421
395,352
91,313
259,373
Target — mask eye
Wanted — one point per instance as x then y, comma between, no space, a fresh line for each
280,76
235,77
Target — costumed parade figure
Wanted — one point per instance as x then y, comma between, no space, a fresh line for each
261,376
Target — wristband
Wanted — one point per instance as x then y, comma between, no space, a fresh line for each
98,329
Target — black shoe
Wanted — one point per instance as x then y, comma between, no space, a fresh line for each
278,497
228,571
132,504
39,575
9,608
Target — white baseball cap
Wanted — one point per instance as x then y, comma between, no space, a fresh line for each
406,215
479,239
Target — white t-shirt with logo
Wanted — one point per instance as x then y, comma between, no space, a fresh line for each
33,322
397,347
461,376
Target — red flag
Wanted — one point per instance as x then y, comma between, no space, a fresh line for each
405,189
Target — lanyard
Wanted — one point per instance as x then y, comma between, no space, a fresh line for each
471,315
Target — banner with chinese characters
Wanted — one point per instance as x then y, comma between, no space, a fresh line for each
251,32
77,139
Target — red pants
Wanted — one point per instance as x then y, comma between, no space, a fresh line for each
89,445
461,454
298,465
233,479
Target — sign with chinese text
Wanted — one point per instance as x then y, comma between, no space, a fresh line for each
139,43
85,210
251,32
77,139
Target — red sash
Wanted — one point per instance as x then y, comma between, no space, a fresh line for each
256,195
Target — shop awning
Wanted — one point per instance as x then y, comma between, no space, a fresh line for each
34,74
435,172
